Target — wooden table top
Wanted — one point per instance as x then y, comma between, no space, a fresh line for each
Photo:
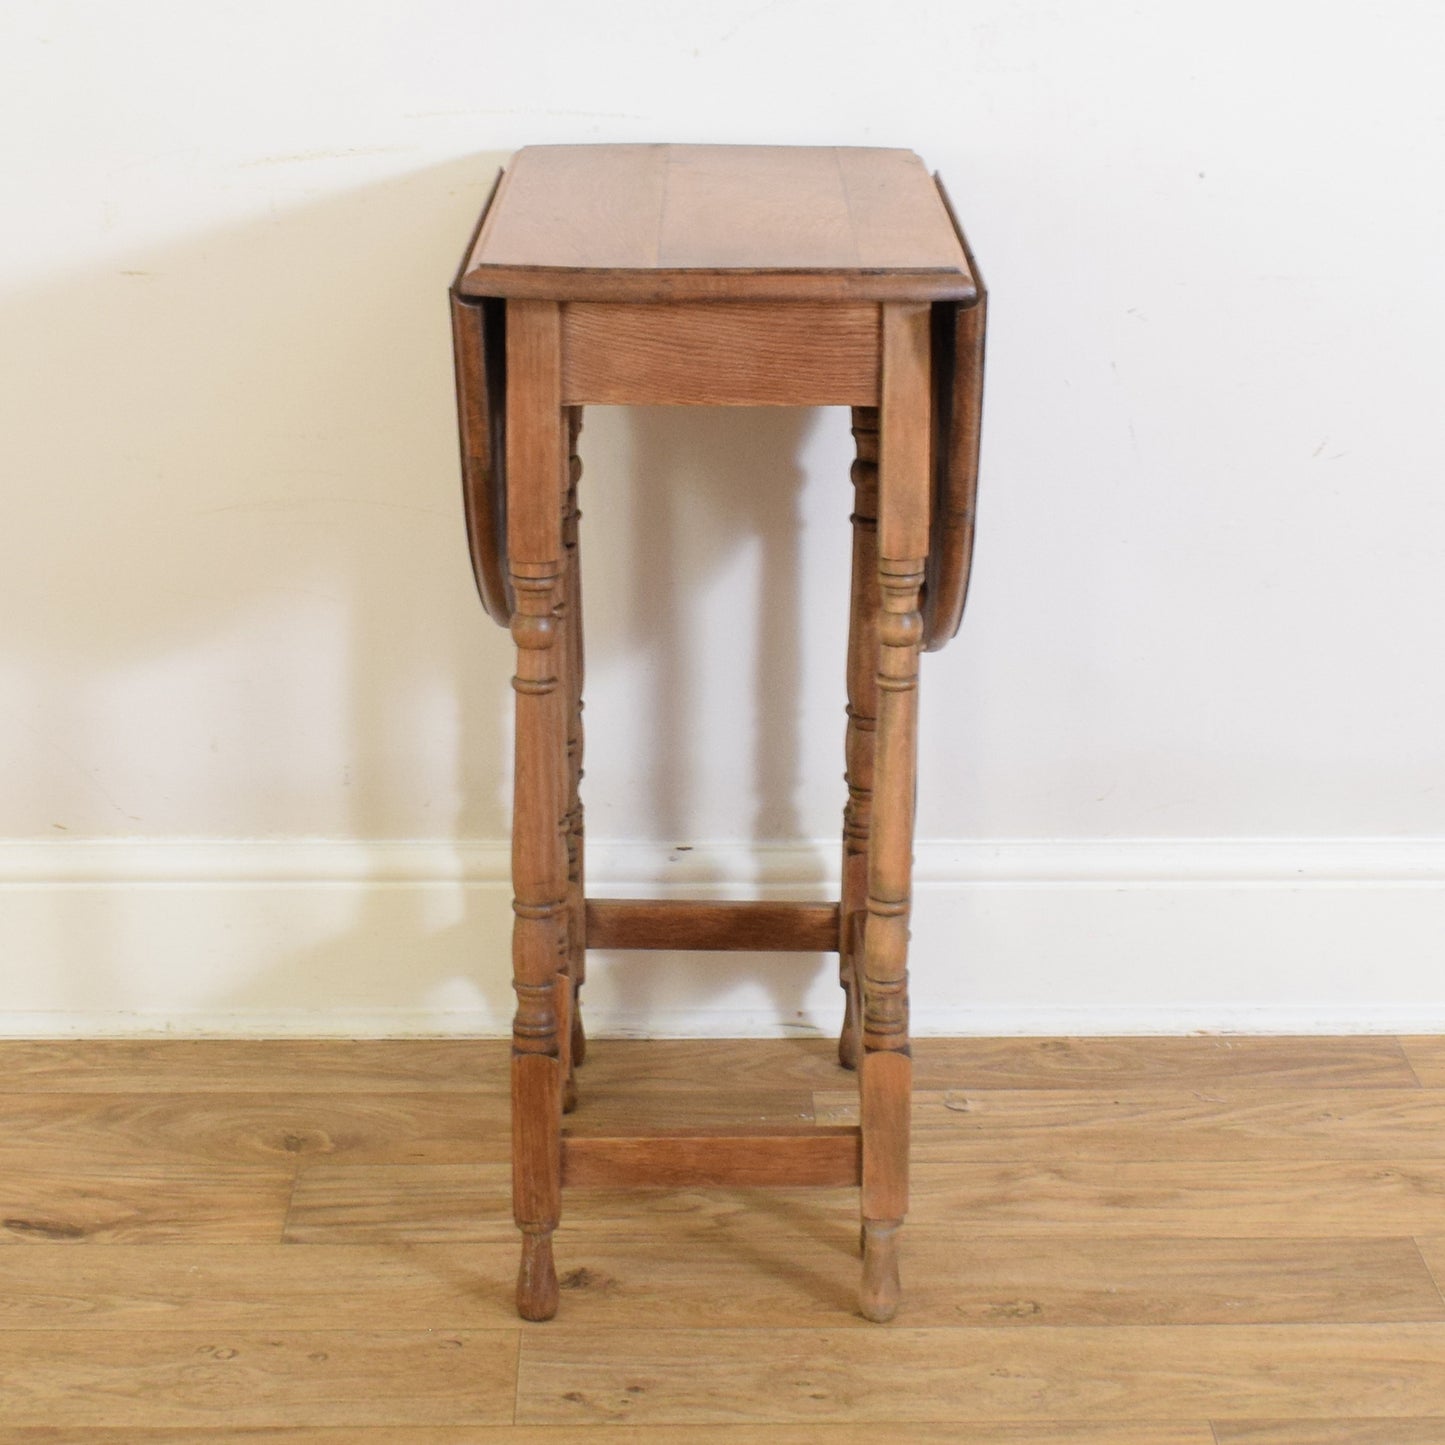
702,222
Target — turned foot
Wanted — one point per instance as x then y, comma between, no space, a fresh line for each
537,1278
878,1297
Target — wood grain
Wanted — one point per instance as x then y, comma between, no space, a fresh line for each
692,1066
1097,1279
718,1280
582,1378
259,1287
1186,1198
1432,1250
958,348
82,1133
476,348
87,1132
144,1204
1122,1284
688,222
1355,1061
238,1377
605,1111
574,819
1218,1123
1179,1199
429,1064
720,354
394,1203
695,1065
962,1432
569,206
723,1279
245,1066
1394,1431
1427,1058
537,483
682,924
860,736
334,1203
801,1156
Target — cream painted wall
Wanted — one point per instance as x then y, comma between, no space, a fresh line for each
1209,587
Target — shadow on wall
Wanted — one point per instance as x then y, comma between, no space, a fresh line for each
705,484
240,604
238,596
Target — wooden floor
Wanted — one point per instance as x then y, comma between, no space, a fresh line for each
1191,1241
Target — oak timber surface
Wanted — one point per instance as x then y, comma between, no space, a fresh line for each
694,1065
1113,1242
1006,1281
696,222
1223,1123
953,1433
577,1377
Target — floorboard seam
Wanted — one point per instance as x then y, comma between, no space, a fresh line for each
517,1380
1409,1062
1424,1260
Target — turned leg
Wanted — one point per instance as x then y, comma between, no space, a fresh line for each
862,720
576,874
887,1070
539,862
566,648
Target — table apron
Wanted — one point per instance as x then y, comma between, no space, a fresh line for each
724,353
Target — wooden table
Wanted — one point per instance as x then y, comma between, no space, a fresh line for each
719,276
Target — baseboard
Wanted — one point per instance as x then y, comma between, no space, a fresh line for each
1086,936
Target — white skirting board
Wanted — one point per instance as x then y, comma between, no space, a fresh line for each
1096,936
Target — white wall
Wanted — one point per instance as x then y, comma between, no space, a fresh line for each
1185,765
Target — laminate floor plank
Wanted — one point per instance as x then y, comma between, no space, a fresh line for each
395,1204
65,1132
703,1066
341,1203
601,1110
1110,1242
1361,1061
717,1283
233,1377
266,1066
1289,1199
970,1432
428,1065
1331,1432
256,1287
144,1204
773,1283
97,1131
586,1377
1198,1061
1426,1054
1220,1123
1432,1251
382,1203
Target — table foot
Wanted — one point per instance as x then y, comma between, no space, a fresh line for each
878,1297
537,1278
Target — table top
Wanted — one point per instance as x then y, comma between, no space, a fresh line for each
703,222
